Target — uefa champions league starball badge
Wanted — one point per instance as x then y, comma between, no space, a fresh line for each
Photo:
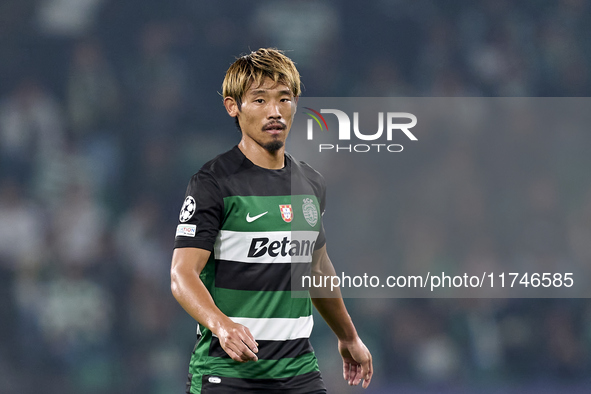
188,209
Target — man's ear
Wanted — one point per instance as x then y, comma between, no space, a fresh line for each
295,106
231,106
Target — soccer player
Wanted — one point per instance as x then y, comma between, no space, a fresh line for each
252,218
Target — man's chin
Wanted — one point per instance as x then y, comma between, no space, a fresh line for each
273,146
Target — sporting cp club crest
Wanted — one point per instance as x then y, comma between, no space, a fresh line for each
286,212
310,212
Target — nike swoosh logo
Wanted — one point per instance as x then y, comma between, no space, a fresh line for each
250,219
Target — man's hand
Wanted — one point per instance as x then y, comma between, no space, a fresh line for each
191,293
357,364
238,342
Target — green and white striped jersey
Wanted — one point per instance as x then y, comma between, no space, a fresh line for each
262,227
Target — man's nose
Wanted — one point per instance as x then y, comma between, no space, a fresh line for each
273,111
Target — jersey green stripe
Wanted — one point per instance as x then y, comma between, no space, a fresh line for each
236,208
263,304
200,355
196,384
262,369
207,275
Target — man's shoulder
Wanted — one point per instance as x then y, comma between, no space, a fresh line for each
223,164
307,170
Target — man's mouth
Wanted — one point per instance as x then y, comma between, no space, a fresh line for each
274,128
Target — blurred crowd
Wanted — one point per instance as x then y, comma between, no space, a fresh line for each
504,190
108,107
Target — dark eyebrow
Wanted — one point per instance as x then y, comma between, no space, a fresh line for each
263,91
257,92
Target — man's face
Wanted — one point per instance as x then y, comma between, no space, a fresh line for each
266,114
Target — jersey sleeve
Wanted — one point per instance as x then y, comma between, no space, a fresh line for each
201,213
321,240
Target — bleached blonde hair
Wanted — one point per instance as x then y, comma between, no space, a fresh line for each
254,67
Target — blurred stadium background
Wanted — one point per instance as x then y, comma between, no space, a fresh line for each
108,107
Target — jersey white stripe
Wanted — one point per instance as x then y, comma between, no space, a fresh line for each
277,329
265,247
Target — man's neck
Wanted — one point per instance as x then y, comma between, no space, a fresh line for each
262,157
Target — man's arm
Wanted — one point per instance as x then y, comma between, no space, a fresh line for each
357,362
191,293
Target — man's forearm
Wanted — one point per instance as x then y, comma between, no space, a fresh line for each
331,306
193,296
191,293
189,290
334,312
